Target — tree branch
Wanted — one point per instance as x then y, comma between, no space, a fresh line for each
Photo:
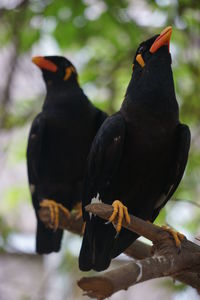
166,261
110,282
71,224
137,250
150,231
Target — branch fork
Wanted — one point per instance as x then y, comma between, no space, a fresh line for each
158,261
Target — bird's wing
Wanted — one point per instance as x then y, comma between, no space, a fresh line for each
177,169
101,116
103,162
104,157
47,240
34,148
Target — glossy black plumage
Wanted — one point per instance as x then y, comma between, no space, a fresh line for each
138,157
58,145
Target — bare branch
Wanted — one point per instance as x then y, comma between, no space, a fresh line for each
136,225
139,250
150,231
122,278
165,262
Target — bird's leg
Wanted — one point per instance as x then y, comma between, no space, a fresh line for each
54,212
78,210
177,236
122,212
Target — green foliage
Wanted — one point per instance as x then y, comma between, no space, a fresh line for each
177,287
14,197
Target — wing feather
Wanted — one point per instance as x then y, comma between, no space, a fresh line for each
178,167
103,162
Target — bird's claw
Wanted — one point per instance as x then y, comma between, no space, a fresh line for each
54,212
177,236
78,210
122,212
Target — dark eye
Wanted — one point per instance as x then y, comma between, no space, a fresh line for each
141,49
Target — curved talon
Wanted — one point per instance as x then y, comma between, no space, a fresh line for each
177,236
54,212
78,211
122,212
64,210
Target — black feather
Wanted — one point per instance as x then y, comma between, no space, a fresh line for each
58,146
145,165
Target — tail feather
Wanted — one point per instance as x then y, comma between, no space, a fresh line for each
85,257
97,245
100,245
47,240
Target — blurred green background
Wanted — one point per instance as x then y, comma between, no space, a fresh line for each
100,37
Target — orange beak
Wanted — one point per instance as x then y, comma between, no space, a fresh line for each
162,39
44,63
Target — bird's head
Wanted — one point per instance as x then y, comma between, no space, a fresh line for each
56,70
152,64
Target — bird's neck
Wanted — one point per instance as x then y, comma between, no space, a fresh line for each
155,89
60,96
154,95
61,87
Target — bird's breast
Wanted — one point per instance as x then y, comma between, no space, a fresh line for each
145,165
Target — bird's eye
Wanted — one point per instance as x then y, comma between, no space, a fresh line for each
141,49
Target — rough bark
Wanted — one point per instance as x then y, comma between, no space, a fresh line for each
163,259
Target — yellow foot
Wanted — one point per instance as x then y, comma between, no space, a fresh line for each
54,212
78,210
177,236
122,212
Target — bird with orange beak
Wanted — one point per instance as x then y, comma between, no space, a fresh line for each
137,158
59,142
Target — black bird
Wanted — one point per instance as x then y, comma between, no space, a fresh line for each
59,142
138,156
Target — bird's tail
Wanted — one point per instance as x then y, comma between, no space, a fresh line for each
97,245
100,244
47,240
